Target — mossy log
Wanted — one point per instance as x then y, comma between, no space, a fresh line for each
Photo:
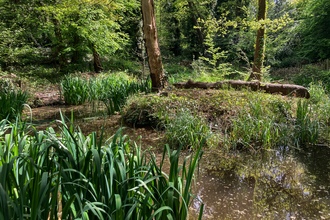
283,89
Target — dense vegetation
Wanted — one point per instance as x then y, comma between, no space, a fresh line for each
48,37
45,44
95,181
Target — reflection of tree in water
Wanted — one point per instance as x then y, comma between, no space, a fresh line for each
283,189
317,163
267,186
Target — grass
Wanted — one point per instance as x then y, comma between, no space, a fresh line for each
237,119
12,103
75,90
185,130
112,90
95,181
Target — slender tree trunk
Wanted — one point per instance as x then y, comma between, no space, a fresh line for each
152,47
97,62
59,47
198,30
260,43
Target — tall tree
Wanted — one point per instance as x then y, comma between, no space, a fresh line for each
260,42
151,42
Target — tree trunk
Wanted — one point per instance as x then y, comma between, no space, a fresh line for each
59,45
260,43
151,43
97,62
199,32
283,89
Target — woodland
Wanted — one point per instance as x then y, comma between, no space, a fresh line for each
164,109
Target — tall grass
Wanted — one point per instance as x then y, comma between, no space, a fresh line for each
12,103
185,129
75,90
95,181
306,129
112,90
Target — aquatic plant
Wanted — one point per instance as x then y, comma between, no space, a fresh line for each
306,128
43,173
185,129
12,103
75,90
112,90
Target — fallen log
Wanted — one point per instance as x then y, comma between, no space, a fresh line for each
283,89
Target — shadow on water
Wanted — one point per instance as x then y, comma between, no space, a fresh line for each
278,184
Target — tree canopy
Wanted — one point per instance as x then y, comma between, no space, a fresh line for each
69,33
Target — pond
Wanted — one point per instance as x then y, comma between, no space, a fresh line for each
282,183
277,184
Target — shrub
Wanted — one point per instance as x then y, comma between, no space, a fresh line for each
6,85
309,74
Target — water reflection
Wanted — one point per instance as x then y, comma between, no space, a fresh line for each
266,185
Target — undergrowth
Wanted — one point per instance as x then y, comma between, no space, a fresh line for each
236,119
112,90
12,103
95,181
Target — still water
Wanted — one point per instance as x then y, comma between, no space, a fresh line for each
277,184
283,183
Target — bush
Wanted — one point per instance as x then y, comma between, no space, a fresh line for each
309,74
6,85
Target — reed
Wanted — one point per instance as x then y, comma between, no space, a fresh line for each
95,181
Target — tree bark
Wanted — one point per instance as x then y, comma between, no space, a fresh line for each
151,42
283,89
97,62
260,43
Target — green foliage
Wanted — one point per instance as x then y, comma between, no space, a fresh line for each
91,24
314,31
94,181
75,90
309,74
317,92
185,130
256,127
112,90
216,56
306,129
115,97
6,85
12,103
119,63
